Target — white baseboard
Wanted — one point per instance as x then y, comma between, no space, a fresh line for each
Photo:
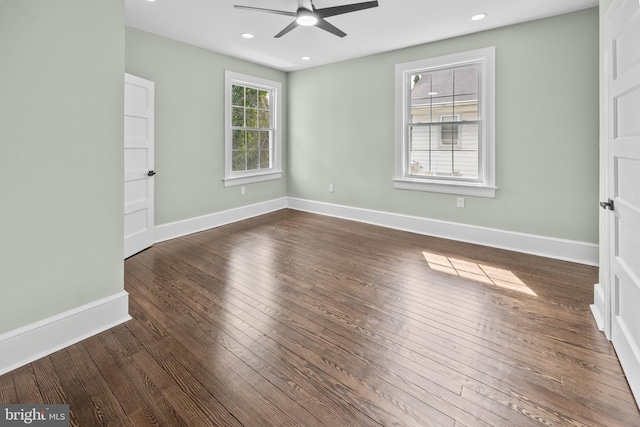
29,343
568,250
597,308
193,225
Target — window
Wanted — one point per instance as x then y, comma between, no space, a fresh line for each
445,139
252,129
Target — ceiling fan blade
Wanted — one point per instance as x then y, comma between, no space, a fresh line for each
330,28
288,28
347,8
260,9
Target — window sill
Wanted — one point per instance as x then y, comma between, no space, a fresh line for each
446,187
248,179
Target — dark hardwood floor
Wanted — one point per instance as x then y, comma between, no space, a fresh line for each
297,319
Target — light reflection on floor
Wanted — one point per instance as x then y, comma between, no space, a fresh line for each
477,272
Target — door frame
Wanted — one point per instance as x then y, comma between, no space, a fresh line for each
141,240
606,312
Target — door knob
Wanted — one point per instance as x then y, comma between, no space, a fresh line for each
151,173
607,205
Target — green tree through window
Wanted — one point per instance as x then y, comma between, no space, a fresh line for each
251,122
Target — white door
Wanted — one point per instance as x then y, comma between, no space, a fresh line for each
623,183
138,164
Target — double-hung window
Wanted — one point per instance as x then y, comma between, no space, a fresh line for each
252,129
445,139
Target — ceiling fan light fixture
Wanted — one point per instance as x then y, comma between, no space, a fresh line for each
306,18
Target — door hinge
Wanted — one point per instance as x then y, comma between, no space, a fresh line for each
607,205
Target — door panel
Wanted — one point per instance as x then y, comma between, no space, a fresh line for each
623,177
627,107
138,161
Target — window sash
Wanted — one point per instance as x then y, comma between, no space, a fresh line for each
405,175
252,144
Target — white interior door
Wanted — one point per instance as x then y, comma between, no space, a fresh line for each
138,164
623,183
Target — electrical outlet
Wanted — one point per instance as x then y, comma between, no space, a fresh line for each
460,202
330,188
243,191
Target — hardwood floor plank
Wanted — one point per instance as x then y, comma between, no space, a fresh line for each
26,385
79,381
48,381
7,389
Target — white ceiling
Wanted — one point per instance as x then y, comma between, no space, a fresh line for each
216,25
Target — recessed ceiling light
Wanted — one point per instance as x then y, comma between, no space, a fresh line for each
432,93
247,35
478,17
306,58
151,1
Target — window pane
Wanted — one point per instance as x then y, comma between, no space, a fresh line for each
238,161
253,160
264,141
263,100
421,140
443,106
252,98
468,111
264,119
466,92
421,93
442,163
449,135
265,159
237,95
419,162
466,82
252,140
237,116
465,164
469,137
251,118
466,158
238,142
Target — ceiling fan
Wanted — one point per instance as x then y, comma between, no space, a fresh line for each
307,15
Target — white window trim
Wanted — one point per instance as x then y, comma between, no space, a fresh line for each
232,178
485,186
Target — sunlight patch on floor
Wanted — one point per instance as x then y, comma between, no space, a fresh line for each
477,272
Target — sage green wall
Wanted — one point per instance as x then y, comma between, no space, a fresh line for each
342,131
189,126
61,167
